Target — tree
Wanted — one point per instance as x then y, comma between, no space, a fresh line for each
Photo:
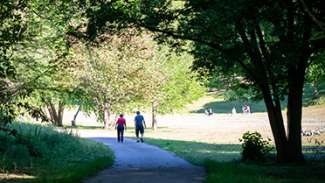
12,31
316,73
47,76
173,84
270,42
115,73
267,42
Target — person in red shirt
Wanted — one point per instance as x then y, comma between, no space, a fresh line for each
120,126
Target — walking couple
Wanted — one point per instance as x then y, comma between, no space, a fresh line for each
140,124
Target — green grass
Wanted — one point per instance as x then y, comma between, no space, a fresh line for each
226,106
236,172
219,105
51,156
223,166
197,152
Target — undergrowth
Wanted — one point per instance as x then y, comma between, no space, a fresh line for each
49,155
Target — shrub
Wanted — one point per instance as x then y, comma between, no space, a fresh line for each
254,147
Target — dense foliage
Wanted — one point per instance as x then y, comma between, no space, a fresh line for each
47,52
254,147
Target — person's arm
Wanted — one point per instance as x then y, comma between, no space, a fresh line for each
125,124
144,123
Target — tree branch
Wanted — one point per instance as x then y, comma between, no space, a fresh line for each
182,36
320,24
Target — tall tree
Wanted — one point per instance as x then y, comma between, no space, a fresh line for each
114,72
46,44
270,41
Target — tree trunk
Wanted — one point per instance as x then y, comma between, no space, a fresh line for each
56,116
52,116
73,122
60,114
52,112
277,126
294,125
294,111
154,120
106,115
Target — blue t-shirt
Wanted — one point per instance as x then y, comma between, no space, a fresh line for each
138,120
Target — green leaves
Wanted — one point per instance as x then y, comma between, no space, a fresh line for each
254,146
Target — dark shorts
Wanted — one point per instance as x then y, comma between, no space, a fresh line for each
120,127
139,129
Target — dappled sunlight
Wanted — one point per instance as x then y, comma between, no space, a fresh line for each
15,177
202,151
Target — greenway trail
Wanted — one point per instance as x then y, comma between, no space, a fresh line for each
143,163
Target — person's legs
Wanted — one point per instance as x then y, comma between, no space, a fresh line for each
137,133
142,132
118,135
122,135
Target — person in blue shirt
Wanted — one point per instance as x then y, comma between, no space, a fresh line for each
140,124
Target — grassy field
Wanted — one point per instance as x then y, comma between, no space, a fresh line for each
222,162
42,154
218,105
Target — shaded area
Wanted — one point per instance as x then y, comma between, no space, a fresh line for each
198,152
152,175
42,154
222,165
143,163
259,106
226,106
311,172
309,95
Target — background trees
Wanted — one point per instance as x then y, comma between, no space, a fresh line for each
51,61
114,73
131,72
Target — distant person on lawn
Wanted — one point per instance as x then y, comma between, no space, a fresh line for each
140,124
246,109
120,126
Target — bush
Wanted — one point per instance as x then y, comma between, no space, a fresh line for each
254,147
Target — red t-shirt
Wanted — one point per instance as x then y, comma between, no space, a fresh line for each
120,121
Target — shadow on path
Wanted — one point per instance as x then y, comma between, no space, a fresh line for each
143,163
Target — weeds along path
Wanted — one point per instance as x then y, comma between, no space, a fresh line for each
143,163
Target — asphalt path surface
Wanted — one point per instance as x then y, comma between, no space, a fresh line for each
143,163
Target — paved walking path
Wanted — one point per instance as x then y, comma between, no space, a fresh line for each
143,163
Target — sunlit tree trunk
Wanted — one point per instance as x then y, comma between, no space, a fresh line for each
106,115
73,122
153,112
56,115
